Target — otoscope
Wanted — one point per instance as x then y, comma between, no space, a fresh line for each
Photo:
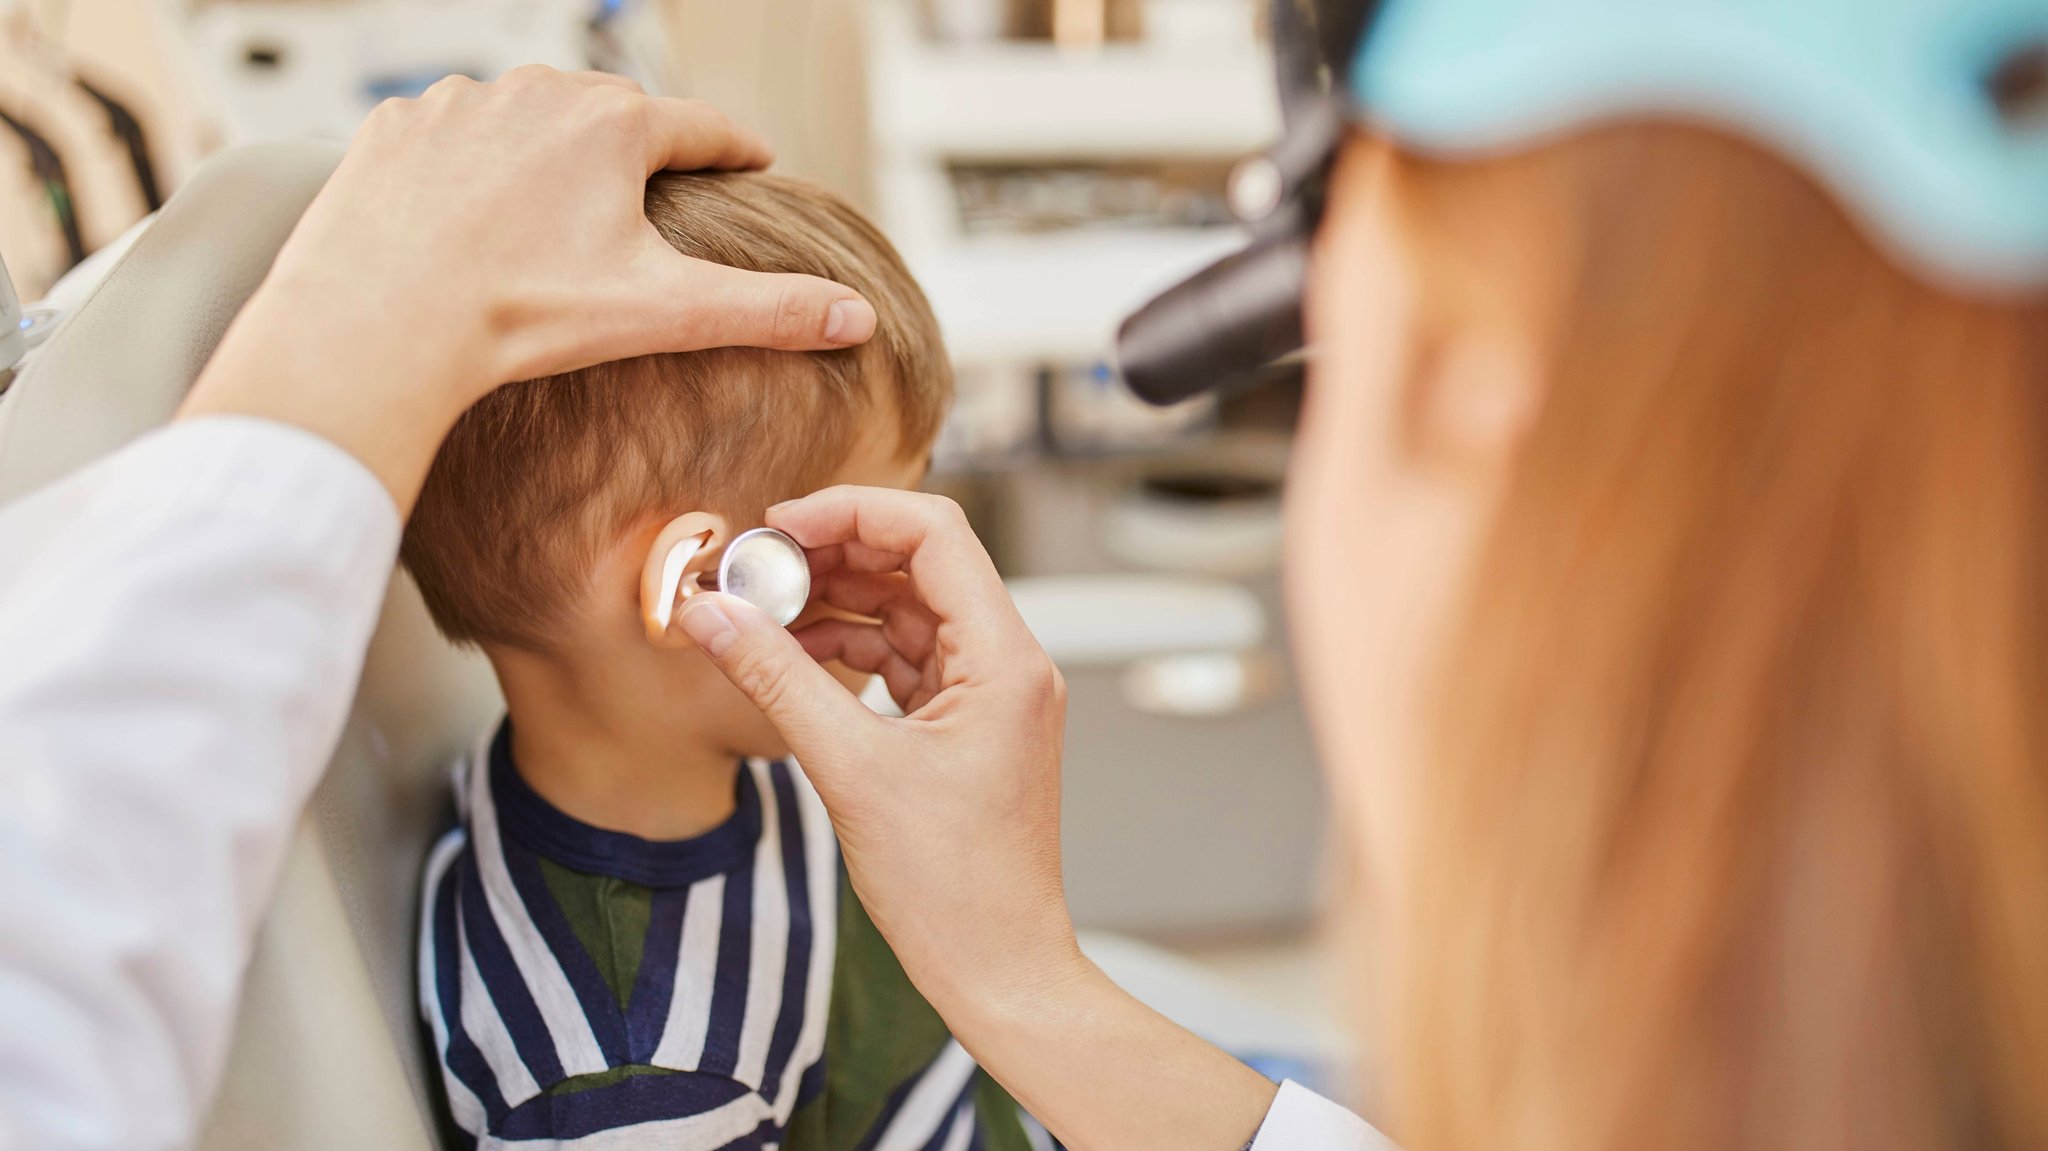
1220,328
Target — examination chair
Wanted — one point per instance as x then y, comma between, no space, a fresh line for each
327,1054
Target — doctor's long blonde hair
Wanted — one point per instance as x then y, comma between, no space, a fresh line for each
1735,831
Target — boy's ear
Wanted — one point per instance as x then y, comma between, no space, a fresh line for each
684,549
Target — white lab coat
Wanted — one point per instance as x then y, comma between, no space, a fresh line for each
175,668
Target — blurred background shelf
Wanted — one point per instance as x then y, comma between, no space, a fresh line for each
1196,85
1196,88
1052,299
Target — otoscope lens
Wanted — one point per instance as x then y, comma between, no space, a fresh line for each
769,570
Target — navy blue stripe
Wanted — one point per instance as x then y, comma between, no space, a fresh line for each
524,816
812,1084
796,970
953,1115
501,976
759,1137
635,1099
735,958
462,1056
592,993
655,986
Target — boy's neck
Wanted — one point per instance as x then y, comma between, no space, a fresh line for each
602,753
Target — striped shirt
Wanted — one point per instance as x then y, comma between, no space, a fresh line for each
589,989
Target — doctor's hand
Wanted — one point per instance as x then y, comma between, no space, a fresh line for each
948,818
485,233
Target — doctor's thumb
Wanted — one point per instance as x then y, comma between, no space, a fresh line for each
812,710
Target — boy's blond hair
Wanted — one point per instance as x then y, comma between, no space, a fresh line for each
540,477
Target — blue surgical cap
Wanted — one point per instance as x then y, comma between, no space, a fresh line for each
1889,103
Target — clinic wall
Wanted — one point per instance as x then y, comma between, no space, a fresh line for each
791,69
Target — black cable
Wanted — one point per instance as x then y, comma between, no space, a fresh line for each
49,168
129,129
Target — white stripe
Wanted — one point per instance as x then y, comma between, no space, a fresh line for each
1034,1132
459,777
930,1101
575,1043
714,1128
689,1005
963,1127
487,1030
770,953
821,863
467,1109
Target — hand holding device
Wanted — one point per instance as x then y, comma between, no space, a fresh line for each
762,566
948,818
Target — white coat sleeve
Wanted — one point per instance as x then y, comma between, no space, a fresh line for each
176,664
1301,1120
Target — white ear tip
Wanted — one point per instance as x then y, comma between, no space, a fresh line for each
672,567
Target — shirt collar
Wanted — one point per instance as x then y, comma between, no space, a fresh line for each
552,834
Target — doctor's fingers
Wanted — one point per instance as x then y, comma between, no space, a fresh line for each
666,302
685,135
817,715
926,537
660,131
592,79
725,307
867,647
673,133
884,596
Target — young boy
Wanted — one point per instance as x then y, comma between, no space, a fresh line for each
640,934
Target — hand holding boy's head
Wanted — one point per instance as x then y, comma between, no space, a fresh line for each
552,497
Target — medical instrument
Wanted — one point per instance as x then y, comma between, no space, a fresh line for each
1927,119
769,570
762,566
1219,329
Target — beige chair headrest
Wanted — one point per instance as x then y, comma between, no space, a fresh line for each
119,365
327,1055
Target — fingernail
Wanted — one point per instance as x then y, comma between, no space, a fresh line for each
708,626
850,322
